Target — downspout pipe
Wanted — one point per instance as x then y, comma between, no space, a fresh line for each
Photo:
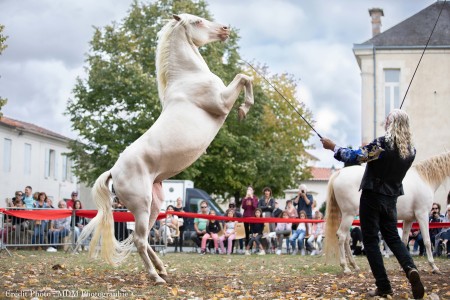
374,92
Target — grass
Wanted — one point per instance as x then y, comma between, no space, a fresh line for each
191,276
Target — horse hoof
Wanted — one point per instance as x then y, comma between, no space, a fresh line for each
163,276
159,281
241,114
437,271
347,271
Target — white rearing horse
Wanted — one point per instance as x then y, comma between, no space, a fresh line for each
420,184
195,105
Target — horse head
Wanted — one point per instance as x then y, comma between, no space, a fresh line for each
202,31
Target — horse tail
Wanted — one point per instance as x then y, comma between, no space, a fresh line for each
102,226
332,220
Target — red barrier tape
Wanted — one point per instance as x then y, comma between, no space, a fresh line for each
52,214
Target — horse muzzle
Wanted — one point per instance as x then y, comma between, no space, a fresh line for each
224,33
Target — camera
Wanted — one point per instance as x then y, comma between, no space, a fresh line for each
303,191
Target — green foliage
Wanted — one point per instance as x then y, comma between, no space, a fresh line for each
323,208
2,47
119,101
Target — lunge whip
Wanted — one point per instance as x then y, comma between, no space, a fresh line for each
443,4
285,99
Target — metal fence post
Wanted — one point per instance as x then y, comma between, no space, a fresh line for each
4,235
73,230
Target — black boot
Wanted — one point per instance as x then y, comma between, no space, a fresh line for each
377,292
416,284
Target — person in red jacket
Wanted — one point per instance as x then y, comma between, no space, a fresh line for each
249,205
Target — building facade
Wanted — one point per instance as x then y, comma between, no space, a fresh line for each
388,62
34,156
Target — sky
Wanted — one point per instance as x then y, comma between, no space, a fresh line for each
313,40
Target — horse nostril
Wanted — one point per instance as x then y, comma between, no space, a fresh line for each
225,27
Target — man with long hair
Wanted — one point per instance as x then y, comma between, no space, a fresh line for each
388,159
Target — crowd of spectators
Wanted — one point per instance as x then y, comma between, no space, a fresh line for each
304,238
39,234
211,235
218,237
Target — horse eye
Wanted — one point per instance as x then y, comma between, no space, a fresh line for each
198,22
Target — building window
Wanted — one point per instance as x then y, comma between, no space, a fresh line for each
66,168
7,144
50,163
391,90
27,160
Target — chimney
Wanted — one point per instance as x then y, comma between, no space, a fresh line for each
376,14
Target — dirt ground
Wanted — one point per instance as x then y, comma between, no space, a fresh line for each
42,275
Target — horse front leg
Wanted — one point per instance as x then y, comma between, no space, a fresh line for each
248,100
423,223
232,91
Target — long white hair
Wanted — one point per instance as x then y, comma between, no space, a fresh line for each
398,133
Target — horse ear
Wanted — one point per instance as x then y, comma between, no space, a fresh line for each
176,17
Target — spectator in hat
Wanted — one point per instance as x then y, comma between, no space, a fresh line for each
237,211
59,229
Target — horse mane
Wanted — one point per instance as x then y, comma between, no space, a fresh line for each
434,169
163,52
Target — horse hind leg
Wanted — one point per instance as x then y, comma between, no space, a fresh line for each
406,229
140,240
342,237
155,208
348,253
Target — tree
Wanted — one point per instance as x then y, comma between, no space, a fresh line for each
118,102
2,47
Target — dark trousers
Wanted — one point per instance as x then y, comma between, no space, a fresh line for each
379,213
180,240
197,239
356,236
247,233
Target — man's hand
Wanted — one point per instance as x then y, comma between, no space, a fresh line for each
328,144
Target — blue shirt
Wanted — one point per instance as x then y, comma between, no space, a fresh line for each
364,154
28,201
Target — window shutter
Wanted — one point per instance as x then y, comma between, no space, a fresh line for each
47,163
56,165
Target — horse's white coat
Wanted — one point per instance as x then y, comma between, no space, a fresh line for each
415,204
195,105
